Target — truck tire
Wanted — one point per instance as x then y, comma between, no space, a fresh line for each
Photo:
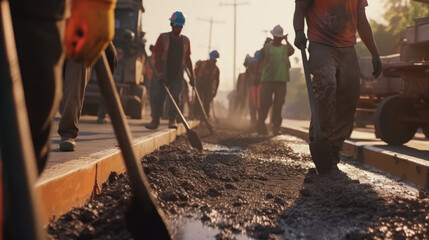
137,102
426,131
388,126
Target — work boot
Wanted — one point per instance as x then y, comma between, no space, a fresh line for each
67,144
154,124
335,160
276,131
262,128
172,123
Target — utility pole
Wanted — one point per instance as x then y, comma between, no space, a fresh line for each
235,4
211,21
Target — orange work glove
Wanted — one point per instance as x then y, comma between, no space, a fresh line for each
89,29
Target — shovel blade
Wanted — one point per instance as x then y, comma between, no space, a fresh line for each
321,154
194,140
144,225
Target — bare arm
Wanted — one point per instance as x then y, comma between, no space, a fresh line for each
189,66
365,33
299,15
290,48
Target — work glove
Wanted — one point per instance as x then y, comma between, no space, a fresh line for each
300,39
377,66
89,29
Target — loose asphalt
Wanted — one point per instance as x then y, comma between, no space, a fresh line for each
71,177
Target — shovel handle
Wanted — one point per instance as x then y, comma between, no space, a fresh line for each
18,158
138,181
313,107
206,118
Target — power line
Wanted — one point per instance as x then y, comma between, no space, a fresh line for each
211,21
235,4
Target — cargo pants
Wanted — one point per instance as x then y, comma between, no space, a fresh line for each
335,84
76,77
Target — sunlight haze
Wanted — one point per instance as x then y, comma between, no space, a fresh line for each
255,18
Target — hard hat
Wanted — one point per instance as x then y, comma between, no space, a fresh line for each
178,18
277,31
214,54
247,60
256,55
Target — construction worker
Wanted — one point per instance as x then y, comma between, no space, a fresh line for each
207,80
172,54
41,30
76,77
333,62
241,99
41,33
255,72
274,58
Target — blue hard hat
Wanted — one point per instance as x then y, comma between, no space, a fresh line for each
214,54
178,18
256,55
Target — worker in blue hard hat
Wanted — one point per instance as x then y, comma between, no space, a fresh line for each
207,80
172,55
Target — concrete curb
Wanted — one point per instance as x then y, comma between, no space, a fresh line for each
73,183
411,169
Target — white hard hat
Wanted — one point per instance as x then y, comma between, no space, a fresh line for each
277,31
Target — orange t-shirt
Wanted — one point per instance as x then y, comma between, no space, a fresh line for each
333,22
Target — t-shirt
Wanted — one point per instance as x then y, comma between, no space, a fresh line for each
333,22
174,59
276,64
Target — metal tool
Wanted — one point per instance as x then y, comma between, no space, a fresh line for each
320,148
193,138
145,219
206,118
24,218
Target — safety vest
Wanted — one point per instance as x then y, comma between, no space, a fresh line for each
166,44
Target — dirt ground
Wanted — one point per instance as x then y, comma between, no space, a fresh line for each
244,186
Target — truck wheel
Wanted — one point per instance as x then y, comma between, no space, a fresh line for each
426,131
388,126
136,104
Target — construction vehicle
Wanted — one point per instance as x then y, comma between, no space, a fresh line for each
399,116
129,42
373,91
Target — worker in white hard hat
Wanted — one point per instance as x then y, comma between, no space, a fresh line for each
274,57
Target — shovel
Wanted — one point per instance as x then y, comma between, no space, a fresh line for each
193,138
145,220
19,165
320,149
206,119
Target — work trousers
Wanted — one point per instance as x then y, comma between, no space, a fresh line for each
205,91
41,57
159,94
336,88
76,77
272,94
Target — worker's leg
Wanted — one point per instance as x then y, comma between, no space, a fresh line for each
279,100
76,77
323,67
347,97
265,104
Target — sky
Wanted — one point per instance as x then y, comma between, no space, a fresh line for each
255,19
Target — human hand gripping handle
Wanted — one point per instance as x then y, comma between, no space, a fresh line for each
377,66
300,39
89,29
